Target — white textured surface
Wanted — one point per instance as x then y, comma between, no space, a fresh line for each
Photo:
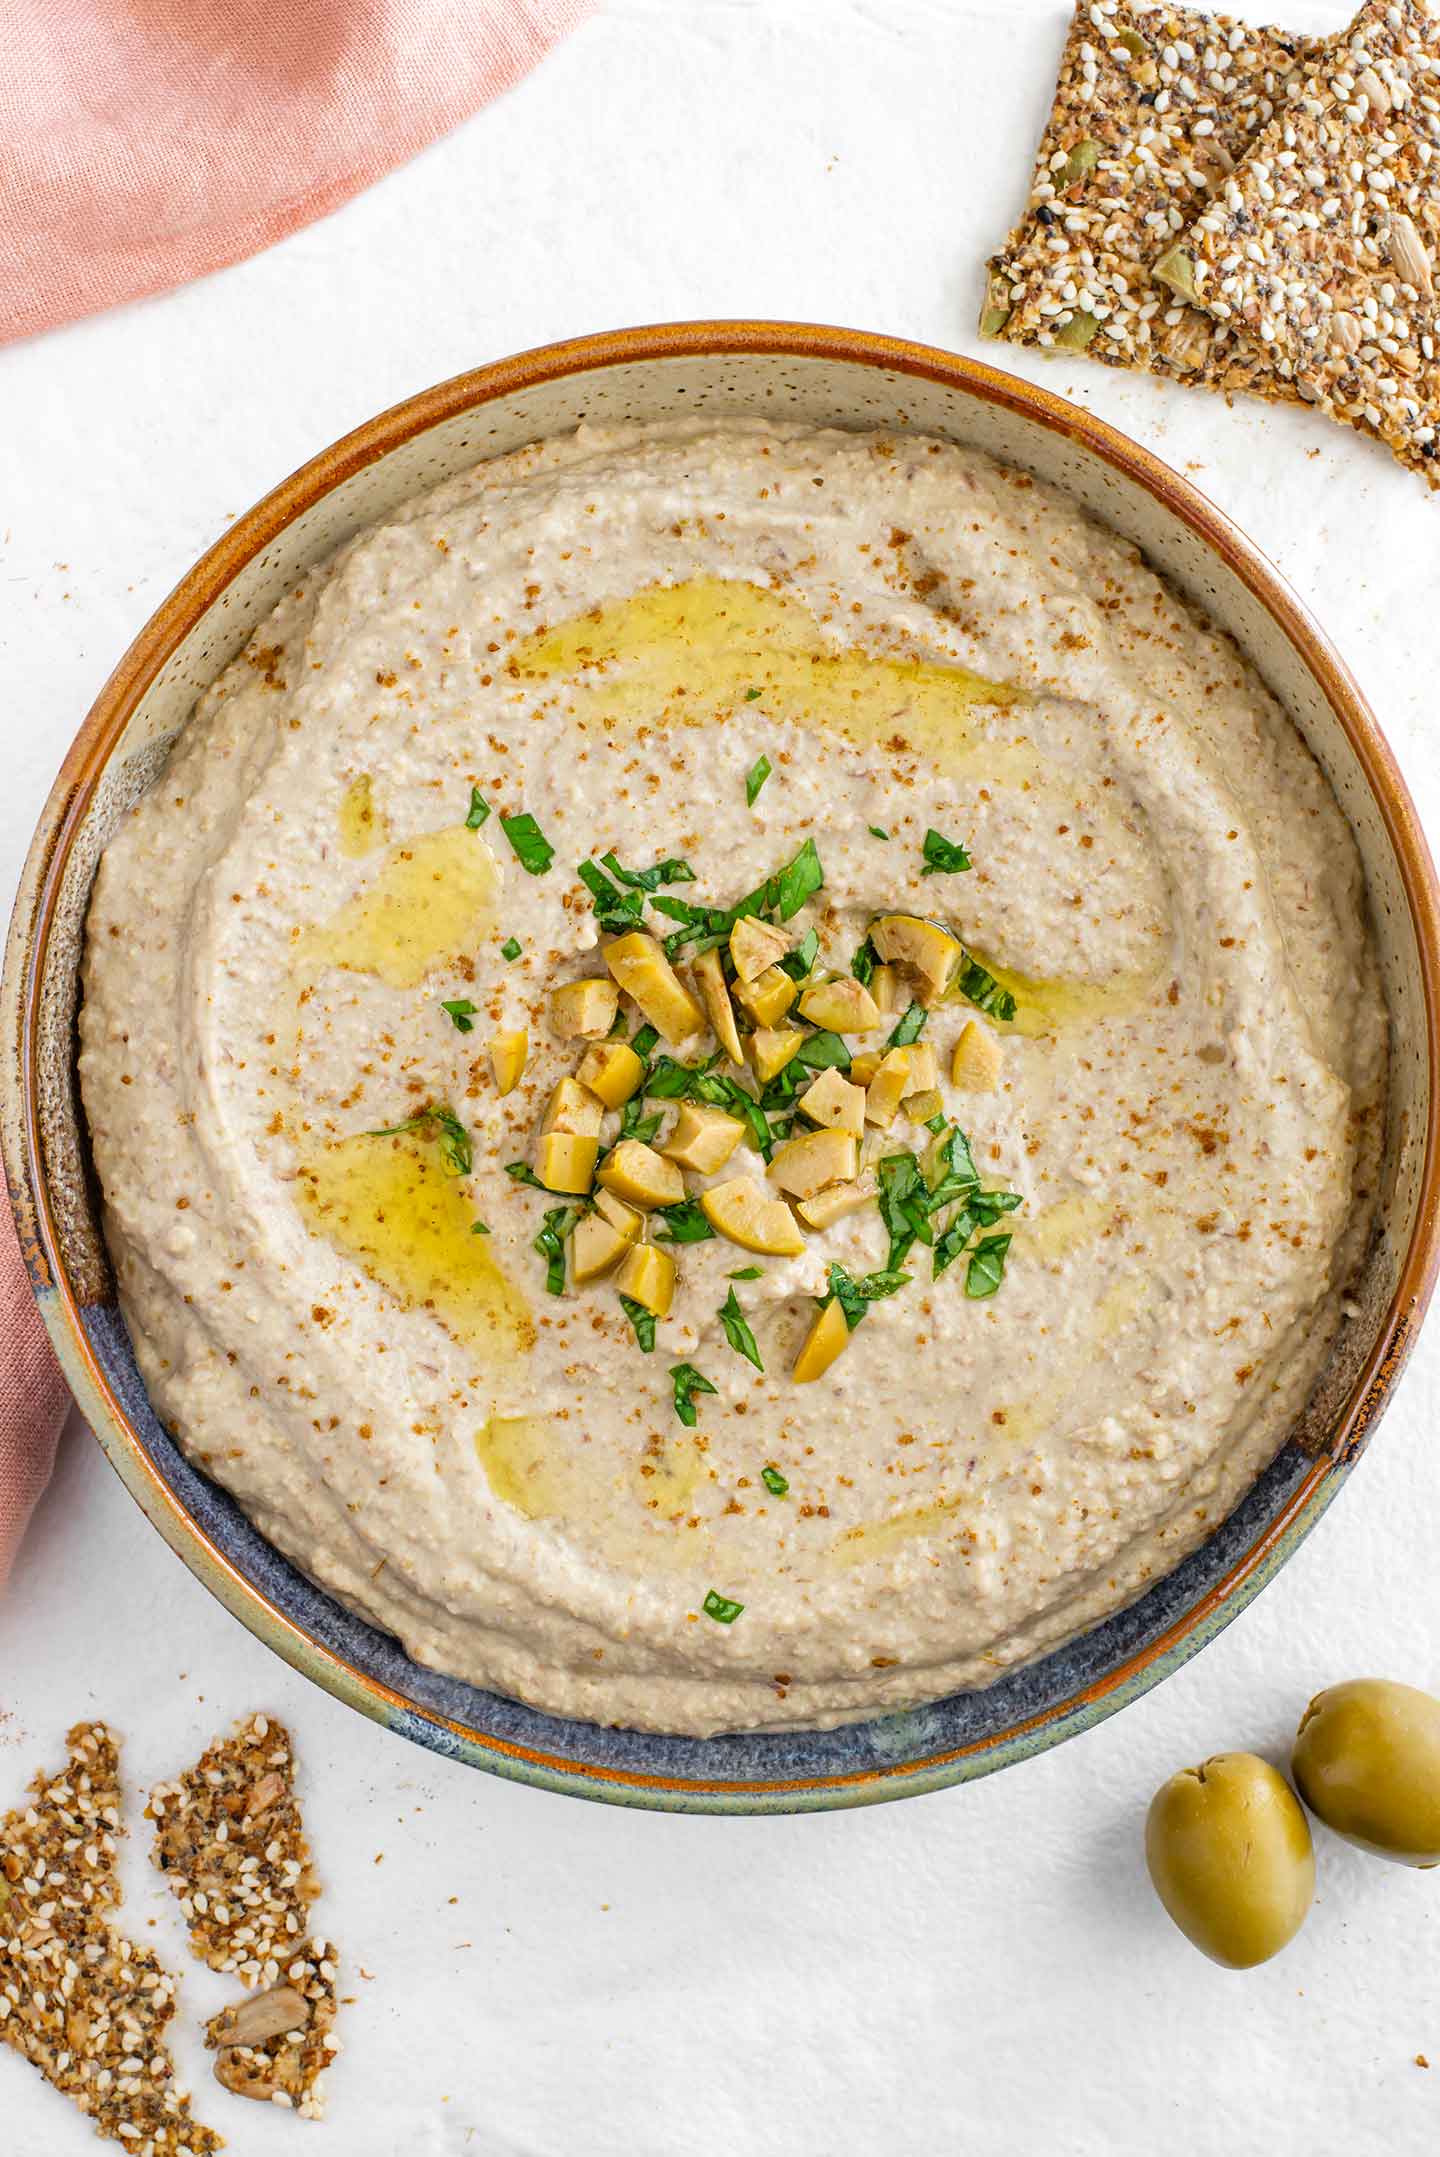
983,1970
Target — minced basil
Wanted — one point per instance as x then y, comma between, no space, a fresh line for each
855,1297
688,1382
799,962
522,1172
616,911
798,881
683,1223
532,849
670,871
642,1320
737,1330
942,854
910,1028
987,1265
984,991
453,1138
555,1231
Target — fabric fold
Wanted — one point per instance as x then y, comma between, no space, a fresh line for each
145,144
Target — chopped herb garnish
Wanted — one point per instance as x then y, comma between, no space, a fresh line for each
774,1482
684,1223
645,1040
989,1205
910,1028
949,1245
747,1273
864,963
984,991
479,810
454,1139
550,1243
634,1123
822,1051
720,1608
511,948
705,927
755,778
642,1320
522,1172
987,1266
981,1210
479,1228
617,1025
942,854
751,695
462,1014
936,1123
615,910
670,871
798,881
855,1297
688,1382
737,1330
878,831
904,1206
728,1093
798,963
533,850
958,1175
671,1081
687,911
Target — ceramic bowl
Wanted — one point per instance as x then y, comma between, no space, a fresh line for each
784,371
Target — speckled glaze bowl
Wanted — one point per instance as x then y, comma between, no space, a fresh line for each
823,376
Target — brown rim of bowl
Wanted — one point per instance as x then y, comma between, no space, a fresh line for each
178,614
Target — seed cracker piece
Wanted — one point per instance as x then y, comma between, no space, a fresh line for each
82,2003
1153,107
275,2046
1324,243
229,1838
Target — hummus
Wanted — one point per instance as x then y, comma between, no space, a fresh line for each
716,654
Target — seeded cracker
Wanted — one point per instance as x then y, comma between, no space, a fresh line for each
1324,243
229,1838
1153,107
84,2005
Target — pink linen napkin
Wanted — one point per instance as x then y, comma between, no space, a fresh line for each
144,142
33,1397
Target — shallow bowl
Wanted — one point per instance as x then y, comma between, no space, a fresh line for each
721,370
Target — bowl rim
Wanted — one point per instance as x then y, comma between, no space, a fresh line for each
34,916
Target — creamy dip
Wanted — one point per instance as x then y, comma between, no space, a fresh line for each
606,634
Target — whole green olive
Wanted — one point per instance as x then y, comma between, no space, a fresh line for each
1229,1852
1367,1762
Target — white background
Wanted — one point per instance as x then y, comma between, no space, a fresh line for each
980,1971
